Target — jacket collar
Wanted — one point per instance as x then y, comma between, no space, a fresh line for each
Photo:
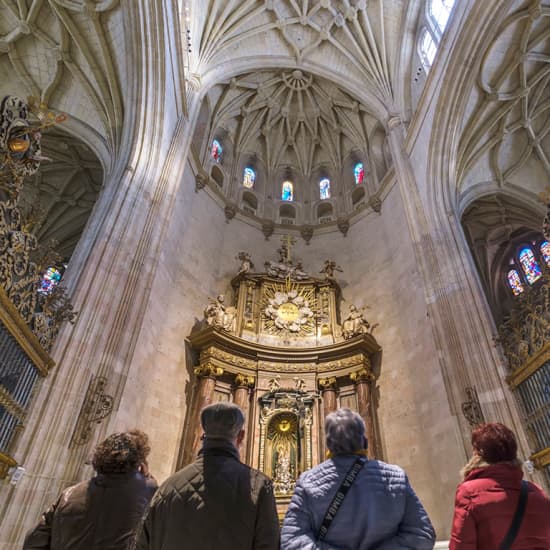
214,446
503,472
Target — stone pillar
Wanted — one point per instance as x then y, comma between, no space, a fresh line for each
363,379
241,397
206,382
328,388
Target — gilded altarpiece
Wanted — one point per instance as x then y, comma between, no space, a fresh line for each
283,348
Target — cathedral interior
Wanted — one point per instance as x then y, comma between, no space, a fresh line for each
294,206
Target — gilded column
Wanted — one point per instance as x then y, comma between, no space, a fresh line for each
328,387
241,397
363,379
206,382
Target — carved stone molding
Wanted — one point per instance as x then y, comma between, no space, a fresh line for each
244,381
471,408
329,383
343,225
362,375
201,181
97,406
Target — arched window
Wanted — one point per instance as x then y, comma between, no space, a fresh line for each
249,178
359,173
324,189
529,265
50,280
216,151
545,251
288,191
515,282
439,12
427,49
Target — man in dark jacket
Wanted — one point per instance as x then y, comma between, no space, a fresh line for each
104,512
216,503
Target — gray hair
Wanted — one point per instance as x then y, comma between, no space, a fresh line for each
345,432
222,420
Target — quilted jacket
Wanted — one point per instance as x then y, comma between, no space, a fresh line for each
216,503
380,511
103,513
486,502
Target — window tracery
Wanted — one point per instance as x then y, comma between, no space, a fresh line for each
433,25
249,178
324,189
216,151
359,173
439,12
287,193
529,265
515,282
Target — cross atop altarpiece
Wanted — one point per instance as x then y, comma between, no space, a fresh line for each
288,242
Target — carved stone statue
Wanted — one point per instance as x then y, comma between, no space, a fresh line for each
283,479
354,324
246,263
299,383
329,268
275,383
217,314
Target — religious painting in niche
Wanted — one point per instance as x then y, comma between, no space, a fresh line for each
288,191
359,173
529,265
324,189
249,178
545,251
50,280
514,282
216,151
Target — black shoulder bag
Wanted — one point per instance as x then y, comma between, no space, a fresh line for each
340,495
518,517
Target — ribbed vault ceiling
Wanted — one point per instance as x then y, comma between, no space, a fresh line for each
290,118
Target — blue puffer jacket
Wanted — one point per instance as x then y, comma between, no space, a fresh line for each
380,511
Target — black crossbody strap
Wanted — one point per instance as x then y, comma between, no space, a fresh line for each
340,495
518,517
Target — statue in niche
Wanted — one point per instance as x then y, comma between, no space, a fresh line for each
283,479
354,324
299,383
329,268
217,314
246,263
274,383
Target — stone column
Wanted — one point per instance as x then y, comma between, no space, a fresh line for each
363,379
328,388
241,397
206,382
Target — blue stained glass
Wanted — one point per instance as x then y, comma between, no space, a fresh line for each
249,178
545,251
515,282
216,151
324,188
359,173
287,194
529,265
50,280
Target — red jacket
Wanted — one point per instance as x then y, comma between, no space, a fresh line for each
485,505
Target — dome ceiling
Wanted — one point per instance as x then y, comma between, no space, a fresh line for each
291,118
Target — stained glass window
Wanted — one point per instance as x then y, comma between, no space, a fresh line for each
249,178
545,251
529,265
359,173
515,282
428,49
50,280
288,191
216,151
324,188
440,10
